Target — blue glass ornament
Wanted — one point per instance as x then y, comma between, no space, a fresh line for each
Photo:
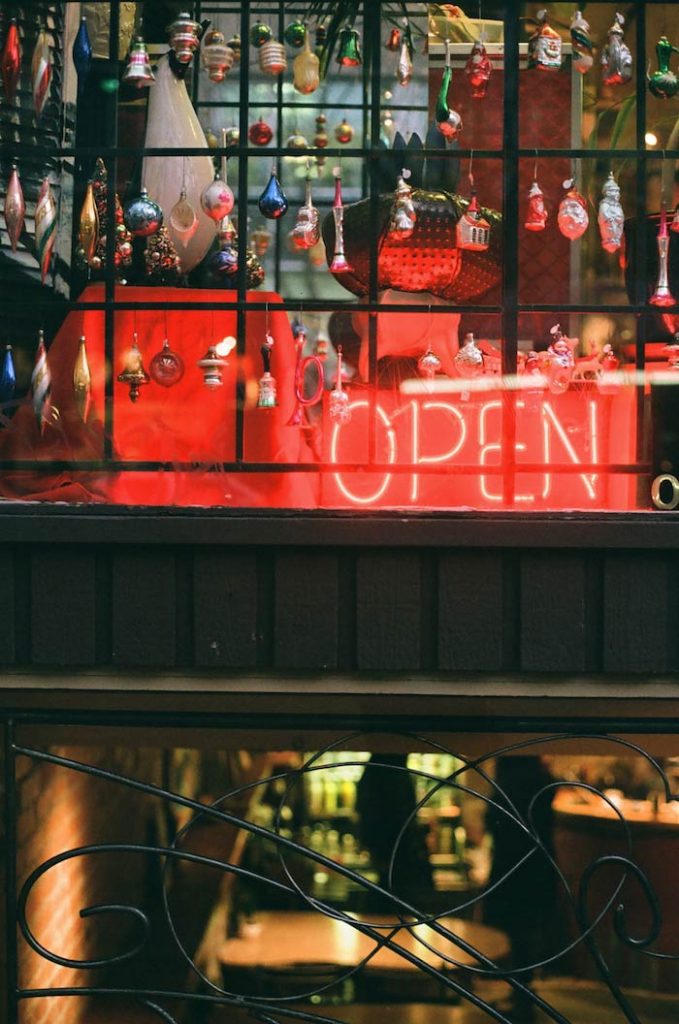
82,53
223,263
272,202
8,378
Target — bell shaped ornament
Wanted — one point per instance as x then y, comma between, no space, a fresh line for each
133,373
138,71
184,37
273,203
306,75
216,56
349,48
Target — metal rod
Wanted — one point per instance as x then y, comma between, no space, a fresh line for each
10,843
510,244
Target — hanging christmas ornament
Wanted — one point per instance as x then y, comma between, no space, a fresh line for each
473,230
161,262
141,216
41,386
561,362
8,378
307,228
138,71
217,199
611,215
82,55
663,83
133,372
306,74
15,208
234,45
339,409
339,263
266,387
260,133
536,381
10,61
216,56
320,140
448,121
41,72
403,216
167,367
296,141
183,220
232,136
536,211
296,34
404,68
45,227
272,58
273,202
608,379
302,365
260,34
478,70
88,225
544,46
393,42
469,358
616,59
428,365
349,48
82,381
672,353
572,217
260,240
212,365
662,296
224,262
184,37
582,44
344,133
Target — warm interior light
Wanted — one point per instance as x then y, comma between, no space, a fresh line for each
651,139
226,346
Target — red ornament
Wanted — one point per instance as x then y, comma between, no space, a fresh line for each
394,40
478,69
260,133
536,212
10,62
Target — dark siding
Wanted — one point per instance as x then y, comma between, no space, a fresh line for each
640,620
388,595
471,610
144,608
225,608
63,606
306,593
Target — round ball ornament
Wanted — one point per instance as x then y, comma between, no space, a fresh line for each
428,365
344,132
232,136
167,367
217,200
260,133
260,34
297,141
295,34
223,263
142,217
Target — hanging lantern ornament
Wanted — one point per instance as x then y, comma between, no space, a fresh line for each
616,59
611,215
15,208
82,381
184,37
216,56
339,263
473,230
88,225
260,133
663,83
10,61
662,296
572,217
138,71
45,227
273,202
307,228
448,121
544,46
296,34
8,378
167,367
582,58
133,372
272,58
306,74
82,55
536,213
349,48
403,216
478,69
561,362
41,73
212,365
404,68
41,386
428,365
302,364
260,239
260,34
344,132
339,409
266,388
393,42
142,216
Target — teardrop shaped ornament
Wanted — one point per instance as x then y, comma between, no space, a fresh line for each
15,209
183,220
273,202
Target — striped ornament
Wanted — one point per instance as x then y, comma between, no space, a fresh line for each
41,73
41,386
45,227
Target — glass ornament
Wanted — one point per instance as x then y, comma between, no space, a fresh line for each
616,59
234,44
260,34
344,132
544,46
536,212
232,136
306,231
472,231
82,54
469,358
183,220
582,58
662,296
8,378
403,216
306,74
45,227
611,216
10,61
663,83
133,373
260,133
138,71
41,73
266,387
88,225
41,386
15,208
273,202
296,141
393,42
261,240
560,362
212,365
82,381
302,365
448,121
272,58
142,216
608,378
217,199
339,263
215,56
224,262
296,34
478,70
167,367
320,39
184,37
428,365
339,408
572,217
349,48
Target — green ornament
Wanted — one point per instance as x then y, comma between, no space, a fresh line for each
349,49
663,83
295,34
260,34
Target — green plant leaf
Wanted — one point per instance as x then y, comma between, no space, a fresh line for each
621,120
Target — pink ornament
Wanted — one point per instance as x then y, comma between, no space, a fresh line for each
15,209
572,218
217,200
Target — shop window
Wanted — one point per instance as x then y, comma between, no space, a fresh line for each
441,271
